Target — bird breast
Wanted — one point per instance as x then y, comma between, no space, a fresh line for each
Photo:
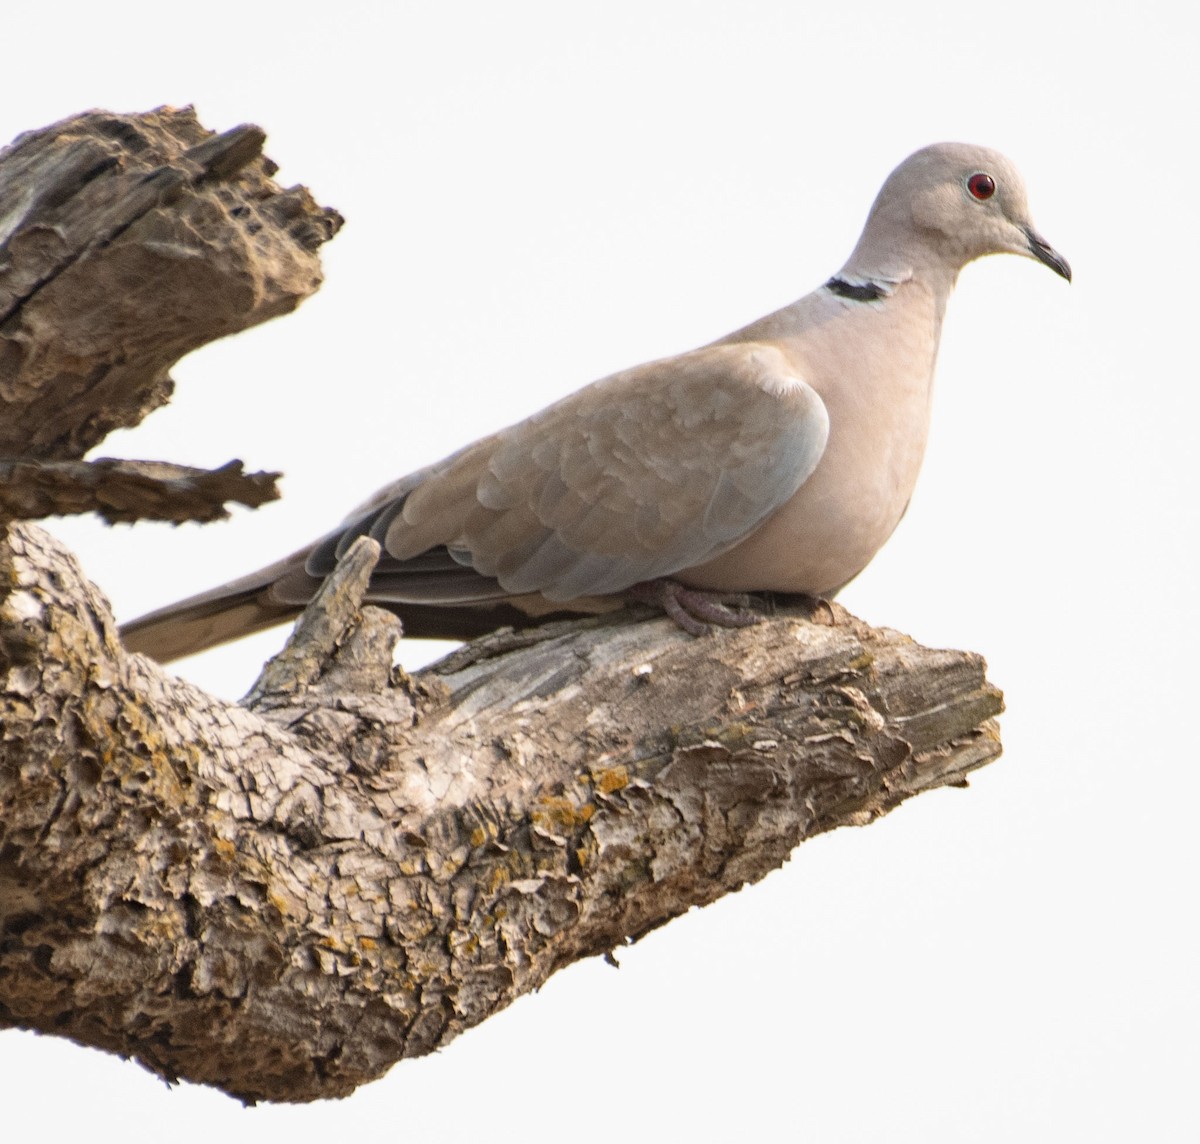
878,425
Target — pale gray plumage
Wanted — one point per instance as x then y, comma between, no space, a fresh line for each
779,458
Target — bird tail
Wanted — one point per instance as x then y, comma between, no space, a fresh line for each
239,608
434,596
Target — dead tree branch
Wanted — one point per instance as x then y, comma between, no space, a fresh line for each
125,491
125,242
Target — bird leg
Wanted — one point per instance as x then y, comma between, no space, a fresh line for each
693,609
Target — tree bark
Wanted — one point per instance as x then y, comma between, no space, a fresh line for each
285,896
125,242
125,491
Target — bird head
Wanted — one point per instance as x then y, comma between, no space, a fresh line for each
959,202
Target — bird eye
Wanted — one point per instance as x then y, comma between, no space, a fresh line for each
981,186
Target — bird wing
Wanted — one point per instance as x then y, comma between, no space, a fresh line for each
643,474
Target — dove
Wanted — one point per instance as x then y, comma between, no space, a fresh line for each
777,459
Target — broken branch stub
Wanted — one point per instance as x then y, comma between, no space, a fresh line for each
125,491
125,242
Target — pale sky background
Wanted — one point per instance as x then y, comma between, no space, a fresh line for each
538,194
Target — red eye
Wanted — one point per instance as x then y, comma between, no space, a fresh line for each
981,186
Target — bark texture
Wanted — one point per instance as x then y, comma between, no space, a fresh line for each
125,491
285,896
125,242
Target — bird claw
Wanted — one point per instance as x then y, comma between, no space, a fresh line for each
695,610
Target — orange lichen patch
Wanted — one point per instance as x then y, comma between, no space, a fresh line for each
612,779
337,953
116,726
281,904
478,836
462,943
498,877
555,812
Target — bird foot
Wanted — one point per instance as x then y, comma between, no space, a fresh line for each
695,610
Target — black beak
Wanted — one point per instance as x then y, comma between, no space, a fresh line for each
1044,252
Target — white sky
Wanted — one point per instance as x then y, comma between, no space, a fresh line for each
538,194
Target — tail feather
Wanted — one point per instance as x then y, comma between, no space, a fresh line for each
185,629
241,607
448,611
435,595
204,622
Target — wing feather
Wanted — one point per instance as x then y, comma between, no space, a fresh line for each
644,474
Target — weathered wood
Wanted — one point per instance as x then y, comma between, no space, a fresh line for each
283,901
125,491
125,242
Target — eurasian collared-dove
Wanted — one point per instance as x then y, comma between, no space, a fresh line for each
779,458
